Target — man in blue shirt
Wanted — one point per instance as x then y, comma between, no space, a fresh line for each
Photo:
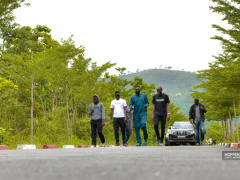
140,103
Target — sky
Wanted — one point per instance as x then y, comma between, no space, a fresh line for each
136,34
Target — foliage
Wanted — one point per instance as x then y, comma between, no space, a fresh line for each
175,83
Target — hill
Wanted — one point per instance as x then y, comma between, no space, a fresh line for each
177,84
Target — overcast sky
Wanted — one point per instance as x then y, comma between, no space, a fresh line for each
136,34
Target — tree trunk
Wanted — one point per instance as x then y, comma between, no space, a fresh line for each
66,90
32,112
224,140
235,116
231,127
226,131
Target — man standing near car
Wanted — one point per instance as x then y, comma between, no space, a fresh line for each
160,112
119,114
196,117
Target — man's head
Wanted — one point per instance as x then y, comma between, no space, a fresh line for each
137,90
196,102
117,95
159,90
95,99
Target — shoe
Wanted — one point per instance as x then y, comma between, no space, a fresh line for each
103,144
92,146
161,144
202,143
138,144
124,143
158,142
117,144
145,143
197,144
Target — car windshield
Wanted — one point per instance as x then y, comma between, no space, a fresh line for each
182,126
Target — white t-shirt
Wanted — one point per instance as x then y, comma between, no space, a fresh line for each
118,106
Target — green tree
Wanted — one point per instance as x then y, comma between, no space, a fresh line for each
30,69
7,7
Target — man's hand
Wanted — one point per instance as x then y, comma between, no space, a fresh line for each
134,108
201,108
110,121
125,120
144,107
103,123
92,111
191,121
168,117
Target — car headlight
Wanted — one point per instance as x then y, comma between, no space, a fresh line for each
192,132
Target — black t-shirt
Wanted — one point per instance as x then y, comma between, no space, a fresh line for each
160,104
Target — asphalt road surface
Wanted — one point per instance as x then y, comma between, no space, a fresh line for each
113,163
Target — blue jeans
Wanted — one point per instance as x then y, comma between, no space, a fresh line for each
199,126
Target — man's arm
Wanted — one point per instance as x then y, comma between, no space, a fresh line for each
125,112
190,114
203,108
131,104
103,115
111,115
146,101
153,109
168,111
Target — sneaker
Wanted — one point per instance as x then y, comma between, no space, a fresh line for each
138,144
158,142
103,144
202,143
161,144
197,144
117,144
145,143
92,146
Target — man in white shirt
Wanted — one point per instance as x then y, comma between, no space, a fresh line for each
119,115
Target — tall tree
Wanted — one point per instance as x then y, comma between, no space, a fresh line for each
7,7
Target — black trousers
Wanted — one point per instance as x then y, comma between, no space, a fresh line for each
96,126
119,122
161,119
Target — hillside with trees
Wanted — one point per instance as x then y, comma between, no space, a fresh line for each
177,84
46,87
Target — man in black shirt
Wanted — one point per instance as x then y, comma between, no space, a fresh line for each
160,112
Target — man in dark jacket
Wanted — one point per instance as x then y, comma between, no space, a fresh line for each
196,116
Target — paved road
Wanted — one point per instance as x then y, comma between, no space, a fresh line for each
142,163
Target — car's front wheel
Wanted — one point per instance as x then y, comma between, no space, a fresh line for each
172,144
